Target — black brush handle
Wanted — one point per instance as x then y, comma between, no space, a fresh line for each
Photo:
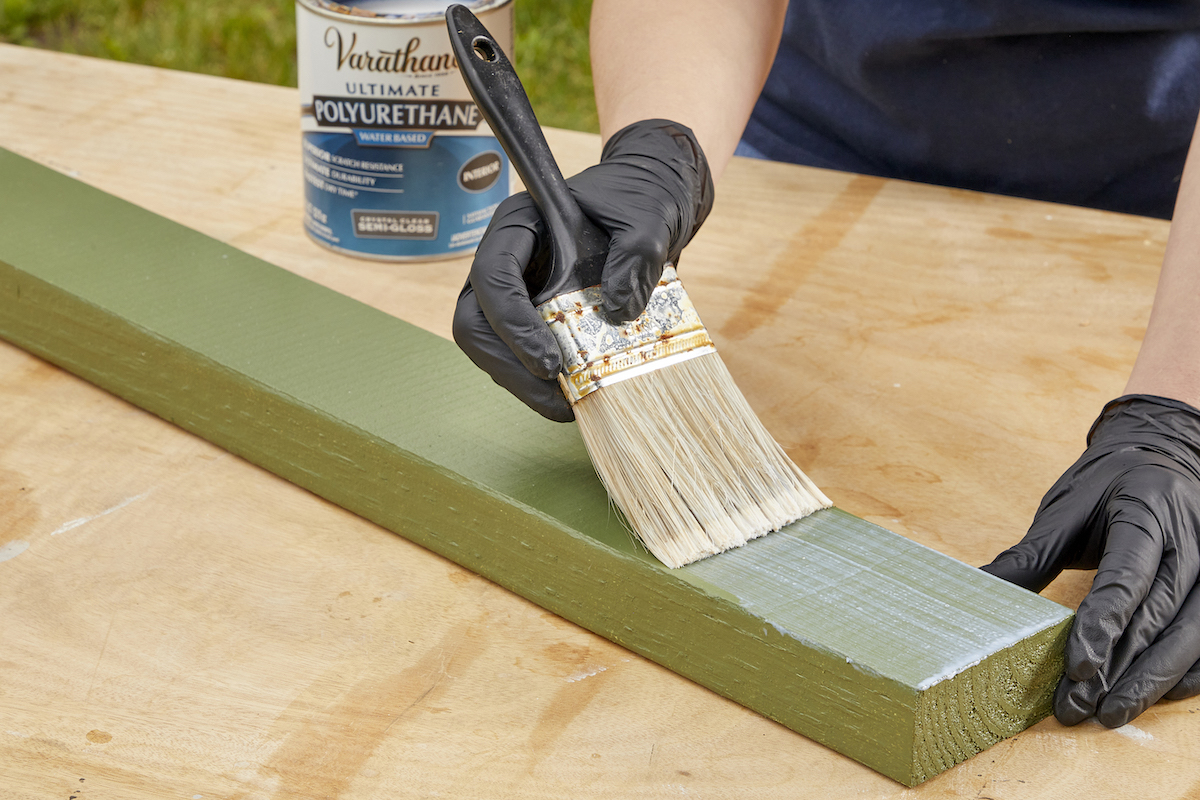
578,246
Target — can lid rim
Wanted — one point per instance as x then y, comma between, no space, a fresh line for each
350,10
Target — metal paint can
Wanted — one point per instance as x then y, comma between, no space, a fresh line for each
398,162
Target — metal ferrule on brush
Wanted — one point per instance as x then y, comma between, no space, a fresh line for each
597,353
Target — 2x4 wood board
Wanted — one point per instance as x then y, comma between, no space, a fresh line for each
889,652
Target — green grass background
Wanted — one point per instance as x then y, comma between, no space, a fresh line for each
255,40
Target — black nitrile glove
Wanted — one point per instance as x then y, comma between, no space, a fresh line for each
1130,508
650,193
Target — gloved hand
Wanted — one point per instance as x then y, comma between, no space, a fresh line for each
1129,507
650,193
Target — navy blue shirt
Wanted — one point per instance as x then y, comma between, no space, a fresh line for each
1087,102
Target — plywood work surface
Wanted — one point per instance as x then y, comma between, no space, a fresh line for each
199,627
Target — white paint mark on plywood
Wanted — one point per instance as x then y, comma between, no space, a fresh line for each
579,676
13,549
1137,734
75,523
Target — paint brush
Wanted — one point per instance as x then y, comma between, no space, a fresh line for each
678,448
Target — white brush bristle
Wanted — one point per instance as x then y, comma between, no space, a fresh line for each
688,462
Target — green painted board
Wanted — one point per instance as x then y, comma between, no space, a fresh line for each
883,649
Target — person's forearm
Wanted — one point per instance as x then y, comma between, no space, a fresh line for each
701,63
1169,362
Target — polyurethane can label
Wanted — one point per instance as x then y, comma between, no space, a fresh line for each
398,162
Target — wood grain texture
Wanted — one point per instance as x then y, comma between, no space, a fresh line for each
902,658
933,357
